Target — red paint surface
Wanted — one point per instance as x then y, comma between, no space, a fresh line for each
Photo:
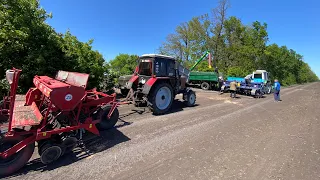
151,81
57,91
133,79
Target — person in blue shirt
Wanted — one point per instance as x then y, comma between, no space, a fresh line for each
277,88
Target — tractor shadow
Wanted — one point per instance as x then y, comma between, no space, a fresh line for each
178,106
94,144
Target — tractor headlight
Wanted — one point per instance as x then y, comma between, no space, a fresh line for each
142,81
9,76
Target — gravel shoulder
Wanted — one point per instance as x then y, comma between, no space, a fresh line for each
220,138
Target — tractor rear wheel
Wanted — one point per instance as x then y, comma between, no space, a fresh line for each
205,86
108,123
161,98
189,98
16,161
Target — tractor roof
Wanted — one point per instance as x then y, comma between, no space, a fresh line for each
157,55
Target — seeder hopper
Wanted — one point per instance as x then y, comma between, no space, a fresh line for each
53,114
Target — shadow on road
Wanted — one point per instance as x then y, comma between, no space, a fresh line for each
178,106
93,144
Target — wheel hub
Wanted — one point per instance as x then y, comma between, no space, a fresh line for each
192,99
163,98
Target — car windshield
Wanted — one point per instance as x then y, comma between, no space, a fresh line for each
145,67
258,76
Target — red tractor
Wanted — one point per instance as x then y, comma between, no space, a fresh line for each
53,114
157,80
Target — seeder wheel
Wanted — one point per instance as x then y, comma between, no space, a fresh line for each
107,123
49,152
16,161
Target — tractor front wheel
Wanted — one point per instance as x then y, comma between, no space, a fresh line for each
189,98
16,161
108,123
161,98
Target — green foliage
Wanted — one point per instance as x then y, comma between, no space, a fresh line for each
4,88
123,64
82,58
237,71
29,43
237,49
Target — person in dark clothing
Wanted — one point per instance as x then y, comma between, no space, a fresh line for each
277,88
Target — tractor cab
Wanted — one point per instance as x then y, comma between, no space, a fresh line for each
156,81
152,67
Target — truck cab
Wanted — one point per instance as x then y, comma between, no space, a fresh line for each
261,76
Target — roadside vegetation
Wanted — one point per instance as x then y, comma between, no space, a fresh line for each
237,48
29,43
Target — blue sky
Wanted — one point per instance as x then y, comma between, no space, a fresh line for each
138,27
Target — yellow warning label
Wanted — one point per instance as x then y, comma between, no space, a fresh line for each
90,126
44,133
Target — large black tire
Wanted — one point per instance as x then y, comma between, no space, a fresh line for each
269,89
16,161
205,86
190,98
164,92
105,122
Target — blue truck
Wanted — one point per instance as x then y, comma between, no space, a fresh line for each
256,84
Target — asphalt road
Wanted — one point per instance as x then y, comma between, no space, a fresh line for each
220,138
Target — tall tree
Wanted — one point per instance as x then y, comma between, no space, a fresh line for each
219,17
29,43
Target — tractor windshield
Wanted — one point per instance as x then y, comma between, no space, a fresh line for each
145,67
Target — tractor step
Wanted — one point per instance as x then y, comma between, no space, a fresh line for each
25,115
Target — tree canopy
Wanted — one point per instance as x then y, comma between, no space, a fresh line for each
123,64
237,49
29,43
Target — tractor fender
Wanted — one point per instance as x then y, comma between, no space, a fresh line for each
148,85
132,81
